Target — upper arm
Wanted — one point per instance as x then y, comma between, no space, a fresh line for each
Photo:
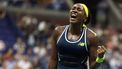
53,40
93,42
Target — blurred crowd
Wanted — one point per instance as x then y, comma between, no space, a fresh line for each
45,4
112,37
24,39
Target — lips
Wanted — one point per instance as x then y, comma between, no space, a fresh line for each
73,15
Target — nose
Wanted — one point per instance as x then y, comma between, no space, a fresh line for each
73,11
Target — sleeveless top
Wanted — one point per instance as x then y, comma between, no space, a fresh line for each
72,51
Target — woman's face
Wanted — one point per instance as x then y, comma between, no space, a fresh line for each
77,13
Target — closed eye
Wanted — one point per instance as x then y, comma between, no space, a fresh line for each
79,9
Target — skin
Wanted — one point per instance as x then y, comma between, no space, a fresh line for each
2,12
77,18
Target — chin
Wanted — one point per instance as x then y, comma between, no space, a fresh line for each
73,21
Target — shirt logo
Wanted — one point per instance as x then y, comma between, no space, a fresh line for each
81,44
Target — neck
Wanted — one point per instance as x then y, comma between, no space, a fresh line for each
75,29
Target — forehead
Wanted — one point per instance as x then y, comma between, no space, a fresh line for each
78,5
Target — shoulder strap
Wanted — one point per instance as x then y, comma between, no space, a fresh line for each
62,33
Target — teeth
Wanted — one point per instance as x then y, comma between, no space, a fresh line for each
74,14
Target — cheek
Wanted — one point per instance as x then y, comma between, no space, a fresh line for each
81,14
70,11
80,17
69,14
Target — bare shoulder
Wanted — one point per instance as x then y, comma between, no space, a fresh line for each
93,39
59,29
57,32
91,33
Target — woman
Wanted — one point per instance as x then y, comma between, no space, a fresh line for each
74,43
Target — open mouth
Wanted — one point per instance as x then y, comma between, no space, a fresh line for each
73,16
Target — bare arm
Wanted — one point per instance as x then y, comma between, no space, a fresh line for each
94,43
53,40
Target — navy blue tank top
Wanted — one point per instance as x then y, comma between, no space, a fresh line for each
72,51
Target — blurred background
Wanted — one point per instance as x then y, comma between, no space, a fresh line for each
26,26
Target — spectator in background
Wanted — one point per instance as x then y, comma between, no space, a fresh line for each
42,32
19,46
115,61
8,29
43,3
99,30
22,3
2,47
36,64
58,5
41,52
9,62
52,4
27,24
24,63
7,56
120,42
